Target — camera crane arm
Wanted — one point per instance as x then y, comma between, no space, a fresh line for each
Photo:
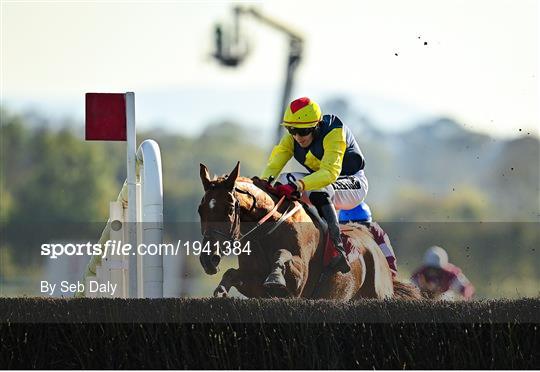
230,55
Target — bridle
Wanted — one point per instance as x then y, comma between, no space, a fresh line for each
235,226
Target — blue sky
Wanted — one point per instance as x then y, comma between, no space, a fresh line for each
475,60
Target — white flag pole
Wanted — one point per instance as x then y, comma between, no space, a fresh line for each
131,149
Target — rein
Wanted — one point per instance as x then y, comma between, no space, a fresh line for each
265,218
290,211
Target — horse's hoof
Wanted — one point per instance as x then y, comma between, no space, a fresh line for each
275,280
277,291
220,292
275,285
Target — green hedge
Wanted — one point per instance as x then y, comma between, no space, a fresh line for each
268,334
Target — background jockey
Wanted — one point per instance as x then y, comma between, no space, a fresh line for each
437,276
362,214
330,153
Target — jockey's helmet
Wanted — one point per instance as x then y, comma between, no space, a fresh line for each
360,213
302,113
436,257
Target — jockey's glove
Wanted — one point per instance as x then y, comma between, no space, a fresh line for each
290,190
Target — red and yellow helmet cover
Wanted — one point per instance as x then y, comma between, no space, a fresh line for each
302,113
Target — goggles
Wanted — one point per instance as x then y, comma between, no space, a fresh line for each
302,132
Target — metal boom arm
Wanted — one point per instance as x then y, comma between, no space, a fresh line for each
230,55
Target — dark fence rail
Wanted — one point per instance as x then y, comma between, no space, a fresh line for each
269,334
212,310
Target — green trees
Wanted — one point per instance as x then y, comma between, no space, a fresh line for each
48,179
52,181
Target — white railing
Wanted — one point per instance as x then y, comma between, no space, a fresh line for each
136,275
150,214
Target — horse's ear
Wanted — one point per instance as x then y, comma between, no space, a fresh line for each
205,177
231,179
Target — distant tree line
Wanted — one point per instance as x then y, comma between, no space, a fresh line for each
52,177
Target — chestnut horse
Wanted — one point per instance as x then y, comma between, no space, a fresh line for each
291,254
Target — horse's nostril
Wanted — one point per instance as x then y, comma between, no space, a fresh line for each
215,260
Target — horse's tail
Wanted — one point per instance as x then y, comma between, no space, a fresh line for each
406,291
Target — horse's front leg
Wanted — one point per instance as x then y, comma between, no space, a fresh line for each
231,278
247,283
287,274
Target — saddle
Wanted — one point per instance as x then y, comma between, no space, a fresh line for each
330,250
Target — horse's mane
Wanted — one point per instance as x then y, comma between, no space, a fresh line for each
262,197
244,179
220,179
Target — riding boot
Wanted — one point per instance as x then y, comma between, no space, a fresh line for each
339,262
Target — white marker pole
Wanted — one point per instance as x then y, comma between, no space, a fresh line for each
131,225
150,172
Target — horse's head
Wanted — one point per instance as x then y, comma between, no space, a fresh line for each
220,216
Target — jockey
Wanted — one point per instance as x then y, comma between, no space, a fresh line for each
362,214
335,165
438,276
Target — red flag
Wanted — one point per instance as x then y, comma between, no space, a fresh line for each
105,117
